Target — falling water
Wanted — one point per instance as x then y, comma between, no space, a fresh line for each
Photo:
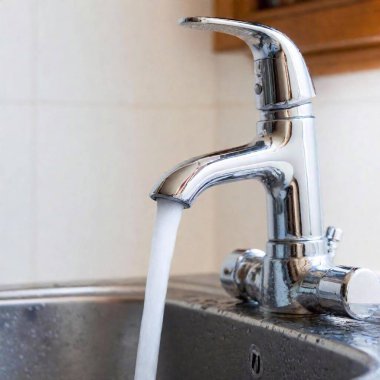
164,235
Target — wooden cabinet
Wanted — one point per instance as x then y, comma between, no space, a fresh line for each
334,35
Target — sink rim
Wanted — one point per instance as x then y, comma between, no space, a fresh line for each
204,293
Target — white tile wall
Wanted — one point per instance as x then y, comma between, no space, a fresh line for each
83,212
16,193
17,49
102,97
95,168
357,86
350,169
85,52
173,65
121,51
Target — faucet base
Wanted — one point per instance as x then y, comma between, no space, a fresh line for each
295,278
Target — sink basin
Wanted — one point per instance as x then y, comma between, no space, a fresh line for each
91,332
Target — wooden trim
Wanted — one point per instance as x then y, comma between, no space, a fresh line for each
344,61
226,9
328,32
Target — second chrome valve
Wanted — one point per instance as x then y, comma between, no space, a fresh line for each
310,285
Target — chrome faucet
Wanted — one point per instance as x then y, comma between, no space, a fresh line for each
296,275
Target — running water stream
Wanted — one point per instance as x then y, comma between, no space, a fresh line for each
164,236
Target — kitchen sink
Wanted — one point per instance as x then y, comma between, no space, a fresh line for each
83,331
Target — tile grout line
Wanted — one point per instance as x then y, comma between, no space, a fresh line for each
33,153
132,106
140,106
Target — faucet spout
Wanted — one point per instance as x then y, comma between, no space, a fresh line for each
189,179
282,157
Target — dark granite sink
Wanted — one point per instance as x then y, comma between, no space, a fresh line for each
90,332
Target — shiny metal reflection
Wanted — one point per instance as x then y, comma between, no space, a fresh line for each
297,274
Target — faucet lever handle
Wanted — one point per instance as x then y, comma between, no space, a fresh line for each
282,79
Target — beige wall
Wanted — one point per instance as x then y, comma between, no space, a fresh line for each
98,98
